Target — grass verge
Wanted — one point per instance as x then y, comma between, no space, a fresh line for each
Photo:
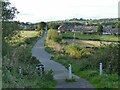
84,68
18,54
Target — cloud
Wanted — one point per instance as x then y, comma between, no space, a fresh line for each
45,10
119,9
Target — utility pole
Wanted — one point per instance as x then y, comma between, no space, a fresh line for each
73,35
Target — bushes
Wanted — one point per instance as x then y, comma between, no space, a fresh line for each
30,40
107,55
49,50
73,50
85,63
88,68
54,41
18,56
76,51
34,60
103,81
54,36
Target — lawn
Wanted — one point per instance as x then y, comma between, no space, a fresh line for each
21,36
29,34
69,35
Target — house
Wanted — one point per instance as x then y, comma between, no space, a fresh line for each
111,31
34,27
25,26
78,29
106,30
106,33
70,27
62,28
115,31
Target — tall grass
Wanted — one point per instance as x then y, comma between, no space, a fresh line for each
18,54
88,67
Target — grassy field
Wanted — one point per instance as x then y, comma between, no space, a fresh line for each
29,34
19,55
69,35
22,36
87,43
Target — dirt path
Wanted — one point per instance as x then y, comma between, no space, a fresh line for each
60,72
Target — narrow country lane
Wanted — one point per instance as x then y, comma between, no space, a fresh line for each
60,72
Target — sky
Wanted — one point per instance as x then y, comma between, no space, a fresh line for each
52,10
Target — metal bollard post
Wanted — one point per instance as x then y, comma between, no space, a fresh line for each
40,68
100,68
43,69
70,71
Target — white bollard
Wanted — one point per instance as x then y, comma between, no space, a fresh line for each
100,68
20,70
70,71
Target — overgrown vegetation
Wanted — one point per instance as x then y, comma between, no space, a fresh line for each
53,35
19,55
88,67
53,41
75,51
85,62
18,65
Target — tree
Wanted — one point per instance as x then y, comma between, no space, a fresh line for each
8,12
76,51
100,29
54,36
53,25
42,26
118,25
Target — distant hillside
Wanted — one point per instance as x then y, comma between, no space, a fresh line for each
83,22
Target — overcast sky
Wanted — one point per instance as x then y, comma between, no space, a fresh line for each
51,10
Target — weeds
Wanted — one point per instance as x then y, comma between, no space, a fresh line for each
19,55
